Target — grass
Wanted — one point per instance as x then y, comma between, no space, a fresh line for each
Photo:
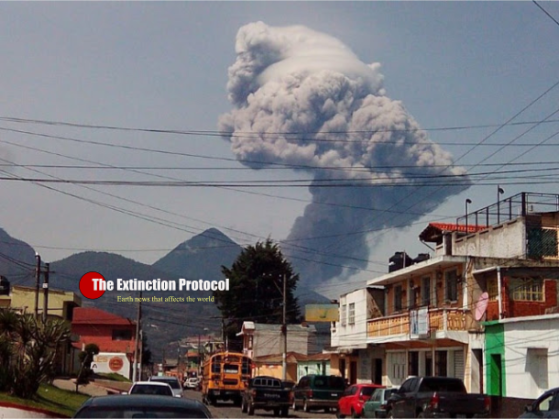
51,398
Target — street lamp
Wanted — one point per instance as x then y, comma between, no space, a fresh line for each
468,201
499,192
200,352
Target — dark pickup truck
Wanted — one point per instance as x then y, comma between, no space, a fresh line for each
437,397
267,393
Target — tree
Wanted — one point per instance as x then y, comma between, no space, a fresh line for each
28,349
86,358
256,289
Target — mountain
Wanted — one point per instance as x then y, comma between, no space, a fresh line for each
201,257
17,260
163,322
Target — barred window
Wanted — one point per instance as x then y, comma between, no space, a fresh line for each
526,289
343,315
351,314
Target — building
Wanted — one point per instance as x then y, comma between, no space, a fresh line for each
461,312
351,356
298,365
111,333
266,339
61,305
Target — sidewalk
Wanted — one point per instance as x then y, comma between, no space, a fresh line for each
94,388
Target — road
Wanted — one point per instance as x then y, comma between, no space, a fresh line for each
227,410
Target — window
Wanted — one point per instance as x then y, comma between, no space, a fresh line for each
343,315
492,288
397,298
526,289
351,314
122,334
451,285
426,291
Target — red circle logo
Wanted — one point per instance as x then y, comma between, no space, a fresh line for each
92,285
116,364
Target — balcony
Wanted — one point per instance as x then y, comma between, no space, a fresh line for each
398,327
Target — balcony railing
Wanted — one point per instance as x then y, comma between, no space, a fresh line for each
448,319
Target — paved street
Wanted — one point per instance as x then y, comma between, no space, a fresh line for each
227,410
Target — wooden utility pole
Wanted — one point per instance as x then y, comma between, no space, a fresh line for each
46,292
37,283
284,330
137,345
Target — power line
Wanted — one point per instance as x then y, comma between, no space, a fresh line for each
546,12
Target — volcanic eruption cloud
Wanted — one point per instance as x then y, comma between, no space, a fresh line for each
303,99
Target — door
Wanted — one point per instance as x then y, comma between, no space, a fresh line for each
377,371
496,382
352,372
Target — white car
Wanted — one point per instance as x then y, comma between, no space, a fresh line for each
172,381
192,382
152,388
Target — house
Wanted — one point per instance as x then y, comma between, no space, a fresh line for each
461,311
61,305
351,356
266,339
111,333
298,365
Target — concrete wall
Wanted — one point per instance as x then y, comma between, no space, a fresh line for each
12,410
356,334
270,342
507,240
531,356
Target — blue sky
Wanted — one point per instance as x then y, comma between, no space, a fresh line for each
165,66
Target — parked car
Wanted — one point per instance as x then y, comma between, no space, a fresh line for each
192,382
151,387
172,381
353,399
377,406
138,406
289,385
545,406
318,392
267,393
435,397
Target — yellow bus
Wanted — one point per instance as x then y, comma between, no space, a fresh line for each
225,376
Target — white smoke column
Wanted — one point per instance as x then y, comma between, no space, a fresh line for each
296,80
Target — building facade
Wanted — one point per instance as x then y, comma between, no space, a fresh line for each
266,339
111,333
481,307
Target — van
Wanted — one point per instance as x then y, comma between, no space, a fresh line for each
318,392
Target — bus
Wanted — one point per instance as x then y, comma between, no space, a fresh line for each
225,376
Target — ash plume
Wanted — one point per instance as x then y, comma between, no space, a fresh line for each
304,99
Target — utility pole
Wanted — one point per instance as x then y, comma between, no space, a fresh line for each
37,282
137,348
199,357
46,292
141,353
284,330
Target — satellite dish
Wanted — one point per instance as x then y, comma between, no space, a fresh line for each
481,306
